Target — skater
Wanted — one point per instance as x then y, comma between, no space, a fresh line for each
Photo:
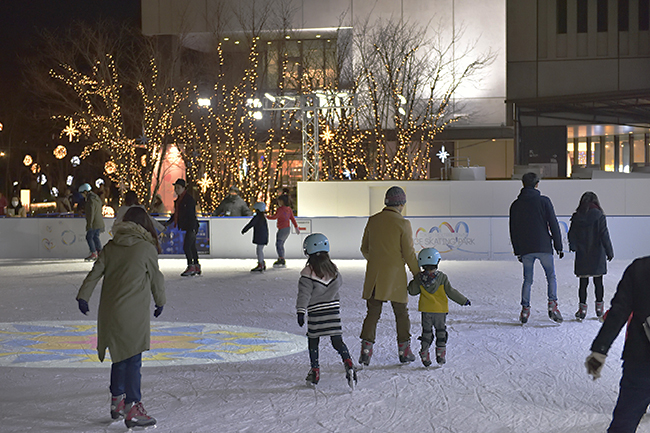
531,217
589,238
260,234
184,217
434,288
94,221
129,265
631,303
387,245
284,215
318,296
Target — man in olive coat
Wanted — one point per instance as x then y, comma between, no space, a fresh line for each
387,245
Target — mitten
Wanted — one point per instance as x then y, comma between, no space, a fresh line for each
609,258
595,363
83,306
468,302
301,319
158,311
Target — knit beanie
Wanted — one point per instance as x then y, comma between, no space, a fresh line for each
395,196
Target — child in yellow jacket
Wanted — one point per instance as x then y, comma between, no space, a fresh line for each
434,289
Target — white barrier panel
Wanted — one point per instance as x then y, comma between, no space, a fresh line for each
457,238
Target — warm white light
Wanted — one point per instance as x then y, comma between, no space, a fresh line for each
269,97
28,160
257,115
204,102
60,152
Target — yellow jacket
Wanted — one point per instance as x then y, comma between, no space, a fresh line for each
433,299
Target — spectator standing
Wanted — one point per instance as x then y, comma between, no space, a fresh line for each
531,217
16,208
157,206
233,205
387,245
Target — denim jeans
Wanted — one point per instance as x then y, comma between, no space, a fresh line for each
633,398
126,378
92,237
280,239
546,260
260,253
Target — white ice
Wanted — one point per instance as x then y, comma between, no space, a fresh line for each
500,376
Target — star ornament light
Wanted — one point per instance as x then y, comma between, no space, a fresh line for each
70,131
205,182
443,154
327,135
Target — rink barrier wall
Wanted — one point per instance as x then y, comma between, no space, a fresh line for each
456,237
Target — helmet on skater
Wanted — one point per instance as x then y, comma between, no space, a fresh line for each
260,206
315,243
429,256
84,188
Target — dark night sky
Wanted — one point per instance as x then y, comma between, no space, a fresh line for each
20,21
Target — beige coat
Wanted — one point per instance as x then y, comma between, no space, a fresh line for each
129,265
387,245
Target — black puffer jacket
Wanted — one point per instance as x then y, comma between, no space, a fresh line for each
531,217
185,206
589,238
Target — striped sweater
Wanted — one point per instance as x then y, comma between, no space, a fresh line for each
315,293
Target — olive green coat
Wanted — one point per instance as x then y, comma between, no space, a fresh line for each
129,265
93,211
387,245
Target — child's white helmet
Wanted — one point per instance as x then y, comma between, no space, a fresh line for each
260,206
315,243
85,187
429,256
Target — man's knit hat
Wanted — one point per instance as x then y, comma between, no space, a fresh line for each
395,196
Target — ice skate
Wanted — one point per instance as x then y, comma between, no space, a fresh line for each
137,416
600,307
366,352
425,358
117,406
582,312
197,269
554,313
313,376
189,271
92,257
350,373
404,352
259,268
280,263
524,315
441,355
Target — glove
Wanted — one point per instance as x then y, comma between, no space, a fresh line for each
83,306
519,258
158,311
595,363
609,258
301,319
560,254
242,232
467,303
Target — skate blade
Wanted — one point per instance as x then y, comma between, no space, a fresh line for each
141,428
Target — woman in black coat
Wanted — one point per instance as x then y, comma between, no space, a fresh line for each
589,238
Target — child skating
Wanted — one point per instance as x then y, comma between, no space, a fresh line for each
434,289
318,297
284,216
589,238
260,234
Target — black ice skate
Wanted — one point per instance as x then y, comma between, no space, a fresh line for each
582,312
280,263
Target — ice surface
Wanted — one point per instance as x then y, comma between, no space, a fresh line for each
499,377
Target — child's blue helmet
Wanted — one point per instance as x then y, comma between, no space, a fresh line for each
316,243
260,206
85,187
429,256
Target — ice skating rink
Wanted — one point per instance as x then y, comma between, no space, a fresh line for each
228,356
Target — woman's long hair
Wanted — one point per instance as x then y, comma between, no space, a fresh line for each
588,201
141,217
322,266
131,198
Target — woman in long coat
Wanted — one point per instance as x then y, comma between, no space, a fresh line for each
129,265
589,238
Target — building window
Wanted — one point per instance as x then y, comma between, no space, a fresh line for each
561,16
644,15
623,15
601,15
582,16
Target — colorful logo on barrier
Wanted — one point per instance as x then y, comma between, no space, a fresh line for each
73,344
444,237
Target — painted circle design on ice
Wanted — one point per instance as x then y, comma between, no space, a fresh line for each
72,344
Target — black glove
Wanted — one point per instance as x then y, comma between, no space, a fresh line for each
519,258
301,319
468,302
158,311
243,232
560,254
83,306
609,258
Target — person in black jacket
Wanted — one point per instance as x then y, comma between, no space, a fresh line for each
531,217
632,297
260,234
589,238
184,217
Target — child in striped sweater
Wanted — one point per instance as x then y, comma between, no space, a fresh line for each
318,297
